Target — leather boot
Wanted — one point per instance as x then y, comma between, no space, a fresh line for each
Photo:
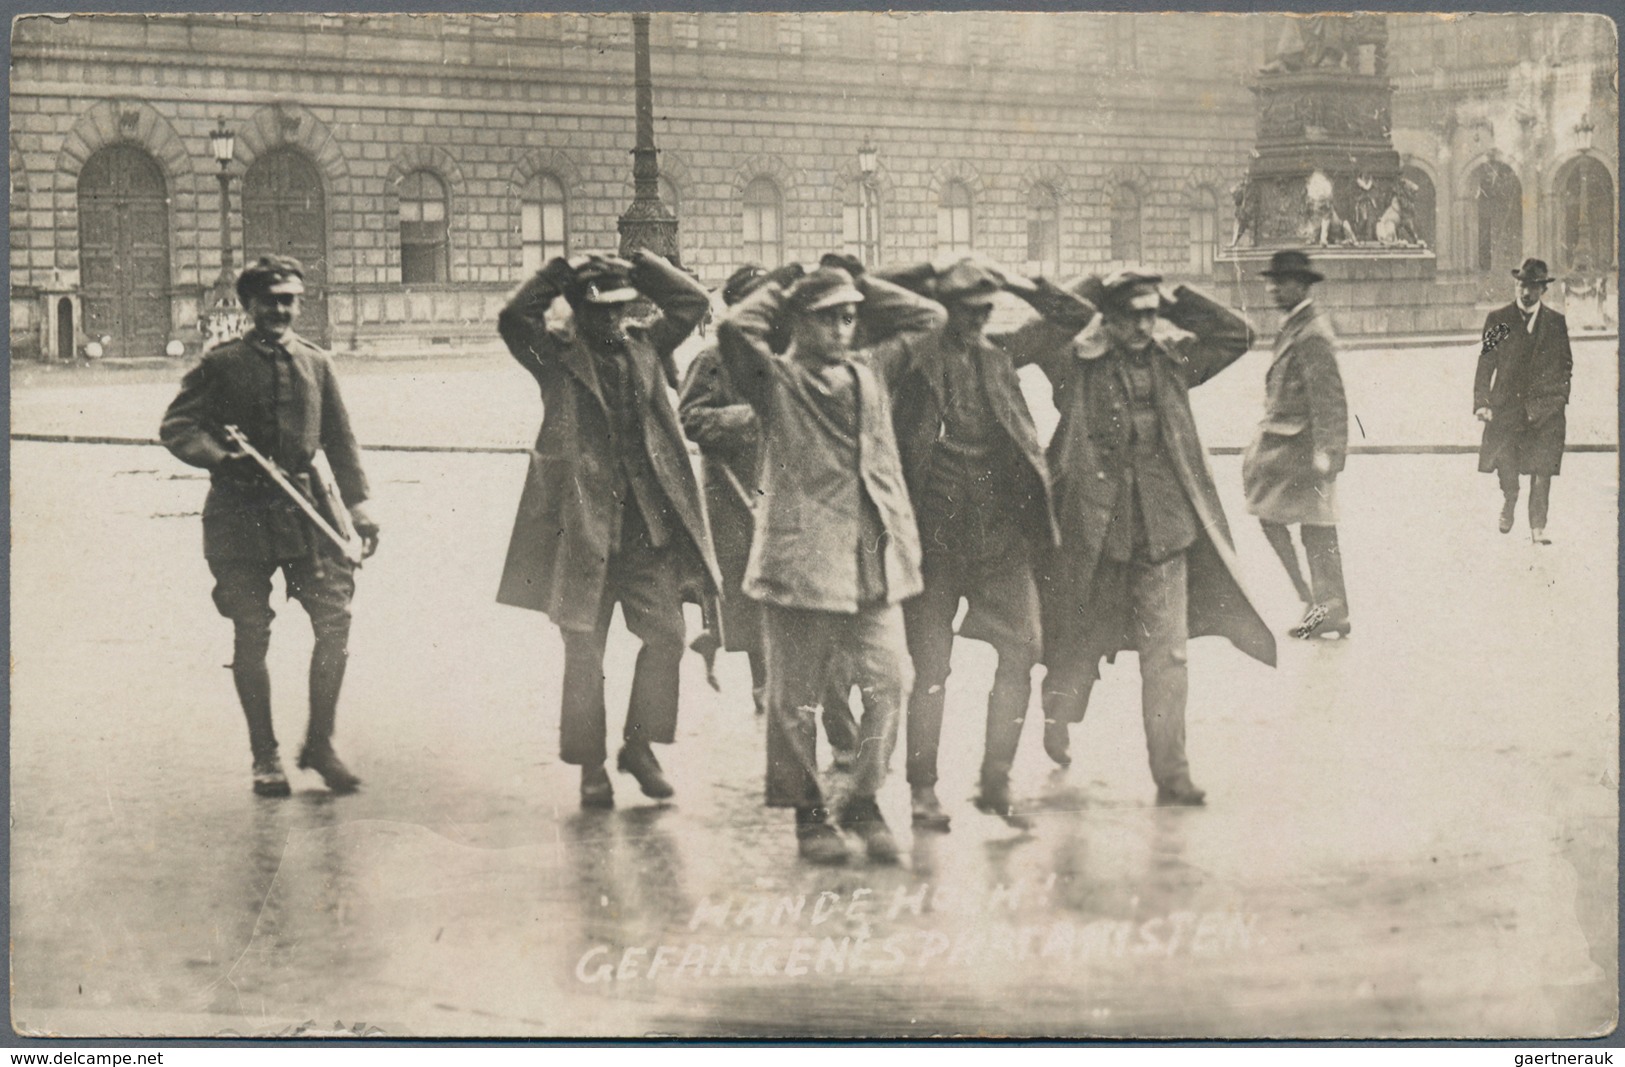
327,663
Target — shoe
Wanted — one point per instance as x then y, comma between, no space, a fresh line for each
269,779
638,760
861,815
994,798
816,840
1538,535
596,792
1184,795
1509,509
926,809
1314,615
1058,741
324,761
844,759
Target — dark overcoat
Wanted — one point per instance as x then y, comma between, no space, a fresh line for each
1523,378
1086,463
814,473
722,424
559,553
285,399
1305,412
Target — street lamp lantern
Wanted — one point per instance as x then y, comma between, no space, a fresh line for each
1583,131
223,142
868,158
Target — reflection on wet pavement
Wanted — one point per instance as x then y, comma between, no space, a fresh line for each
1410,834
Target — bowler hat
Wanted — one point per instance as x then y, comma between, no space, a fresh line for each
1533,272
1291,263
267,272
825,287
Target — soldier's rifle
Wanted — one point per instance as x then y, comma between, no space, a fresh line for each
348,543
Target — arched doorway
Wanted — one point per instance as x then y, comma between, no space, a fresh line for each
1586,223
124,251
285,214
1498,219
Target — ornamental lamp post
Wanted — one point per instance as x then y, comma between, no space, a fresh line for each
648,222
224,316
868,203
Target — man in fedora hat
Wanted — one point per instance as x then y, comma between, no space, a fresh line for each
1291,467
836,551
981,491
1519,394
281,393
610,511
1146,560
718,420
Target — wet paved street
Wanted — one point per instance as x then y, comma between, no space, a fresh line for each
1412,833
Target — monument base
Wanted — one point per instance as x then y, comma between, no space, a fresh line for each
1370,292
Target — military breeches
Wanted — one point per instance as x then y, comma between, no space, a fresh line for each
800,647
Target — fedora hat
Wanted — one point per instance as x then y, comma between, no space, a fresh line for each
1533,272
1291,263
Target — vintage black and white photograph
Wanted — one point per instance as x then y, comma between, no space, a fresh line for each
855,524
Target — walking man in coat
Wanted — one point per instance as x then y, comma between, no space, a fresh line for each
610,511
981,492
1146,559
1290,470
1519,393
836,550
281,393
723,425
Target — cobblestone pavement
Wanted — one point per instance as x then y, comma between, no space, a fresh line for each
1410,833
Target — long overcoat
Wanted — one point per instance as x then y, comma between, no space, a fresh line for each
1523,378
1085,460
722,424
1305,412
559,553
815,471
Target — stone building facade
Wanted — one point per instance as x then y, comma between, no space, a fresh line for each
421,164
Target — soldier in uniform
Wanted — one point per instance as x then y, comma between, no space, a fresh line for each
610,511
281,392
836,550
981,492
1146,560
717,419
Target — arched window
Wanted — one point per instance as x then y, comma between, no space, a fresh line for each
1125,205
1586,229
285,212
425,241
543,222
954,221
1204,229
860,222
1498,215
764,223
1424,202
1044,231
